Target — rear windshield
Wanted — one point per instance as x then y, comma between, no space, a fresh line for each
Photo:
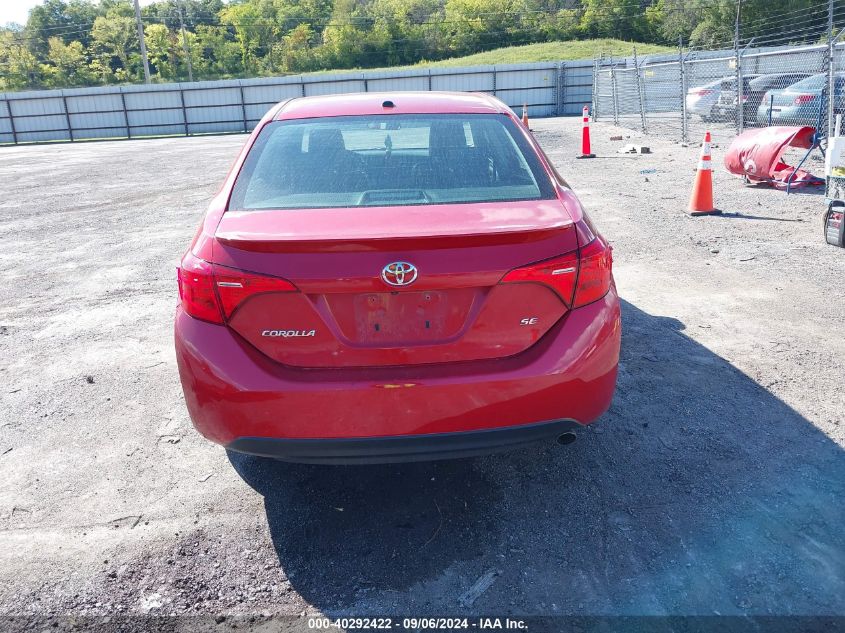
767,82
389,160
816,82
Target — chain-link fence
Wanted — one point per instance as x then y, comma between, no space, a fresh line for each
724,92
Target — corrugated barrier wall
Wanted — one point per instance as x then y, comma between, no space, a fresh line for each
214,107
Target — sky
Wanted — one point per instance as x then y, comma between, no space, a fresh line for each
17,10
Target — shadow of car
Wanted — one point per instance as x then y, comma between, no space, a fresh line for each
700,492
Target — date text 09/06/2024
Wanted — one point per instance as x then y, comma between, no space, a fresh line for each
417,624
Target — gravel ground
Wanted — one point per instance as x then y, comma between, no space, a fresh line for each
714,485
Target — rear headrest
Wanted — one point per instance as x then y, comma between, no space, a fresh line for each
445,135
326,140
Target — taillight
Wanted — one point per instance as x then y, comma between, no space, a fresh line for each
702,93
211,292
594,272
579,277
804,99
559,274
196,289
235,286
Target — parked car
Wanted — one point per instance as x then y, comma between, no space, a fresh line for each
754,88
800,103
701,100
388,277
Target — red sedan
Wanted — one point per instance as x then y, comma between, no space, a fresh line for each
394,277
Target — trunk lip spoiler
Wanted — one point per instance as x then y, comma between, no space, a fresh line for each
283,244
376,227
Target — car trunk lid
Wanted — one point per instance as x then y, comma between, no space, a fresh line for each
346,311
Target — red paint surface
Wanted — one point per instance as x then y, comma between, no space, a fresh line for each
232,390
403,103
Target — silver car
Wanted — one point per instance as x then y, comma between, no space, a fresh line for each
701,100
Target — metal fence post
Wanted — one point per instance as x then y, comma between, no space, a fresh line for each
740,89
738,122
184,111
125,113
831,69
640,91
615,95
67,117
560,87
683,84
12,121
495,81
243,107
831,65
830,60
596,88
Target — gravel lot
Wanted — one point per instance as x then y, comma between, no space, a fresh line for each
714,485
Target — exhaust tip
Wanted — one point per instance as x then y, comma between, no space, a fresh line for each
566,438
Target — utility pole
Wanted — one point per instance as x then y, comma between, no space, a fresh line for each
736,24
740,107
184,41
142,43
683,77
829,20
831,69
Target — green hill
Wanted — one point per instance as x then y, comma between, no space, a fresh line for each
552,51
544,52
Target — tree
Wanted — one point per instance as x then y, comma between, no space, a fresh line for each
474,25
343,46
115,37
45,20
621,19
714,24
402,29
68,64
669,20
290,14
19,64
254,25
219,54
160,50
296,52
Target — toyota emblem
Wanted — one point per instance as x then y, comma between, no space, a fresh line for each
399,274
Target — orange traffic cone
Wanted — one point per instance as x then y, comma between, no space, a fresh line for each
701,200
525,115
585,135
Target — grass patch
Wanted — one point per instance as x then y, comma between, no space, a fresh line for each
543,52
552,52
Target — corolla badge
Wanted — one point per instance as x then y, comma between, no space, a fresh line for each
289,333
399,274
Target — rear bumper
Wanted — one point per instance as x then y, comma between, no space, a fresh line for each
239,398
701,107
403,448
